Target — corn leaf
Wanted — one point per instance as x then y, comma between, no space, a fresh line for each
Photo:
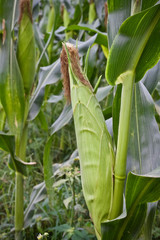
48,75
103,92
140,189
143,148
151,78
151,212
148,3
2,117
141,42
118,12
63,119
40,44
56,4
7,144
101,36
38,194
99,8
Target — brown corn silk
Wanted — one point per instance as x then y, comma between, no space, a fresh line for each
93,139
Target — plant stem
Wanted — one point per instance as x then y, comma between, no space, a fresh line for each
122,145
74,201
19,215
19,200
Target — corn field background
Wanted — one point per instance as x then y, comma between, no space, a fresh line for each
46,137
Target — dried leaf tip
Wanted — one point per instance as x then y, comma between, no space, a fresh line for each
25,7
76,68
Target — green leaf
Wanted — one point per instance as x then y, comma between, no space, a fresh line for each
144,141
99,8
48,75
118,12
116,112
151,211
55,98
56,4
91,13
7,144
38,194
91,61
141,42
103,92
11,84
42,119
63,119
101,36
152,77
2,117
140,189
40,44
148,3
18,165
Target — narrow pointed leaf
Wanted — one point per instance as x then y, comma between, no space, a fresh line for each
103,92
141,42
144,140
37,195
56,4
152,77
63,119
151,212
101,36
118,12
116,111
48,75
148,3
7,144
40,44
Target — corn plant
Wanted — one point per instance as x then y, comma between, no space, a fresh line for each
17,76
134,48
17,82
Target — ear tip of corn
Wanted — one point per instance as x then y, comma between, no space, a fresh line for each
25,8
65,73
71,55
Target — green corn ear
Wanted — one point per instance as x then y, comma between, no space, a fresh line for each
26,52
92,12
93,139
50,19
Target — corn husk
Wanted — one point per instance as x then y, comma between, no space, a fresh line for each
26,52
93,139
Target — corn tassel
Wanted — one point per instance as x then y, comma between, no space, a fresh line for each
93,139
